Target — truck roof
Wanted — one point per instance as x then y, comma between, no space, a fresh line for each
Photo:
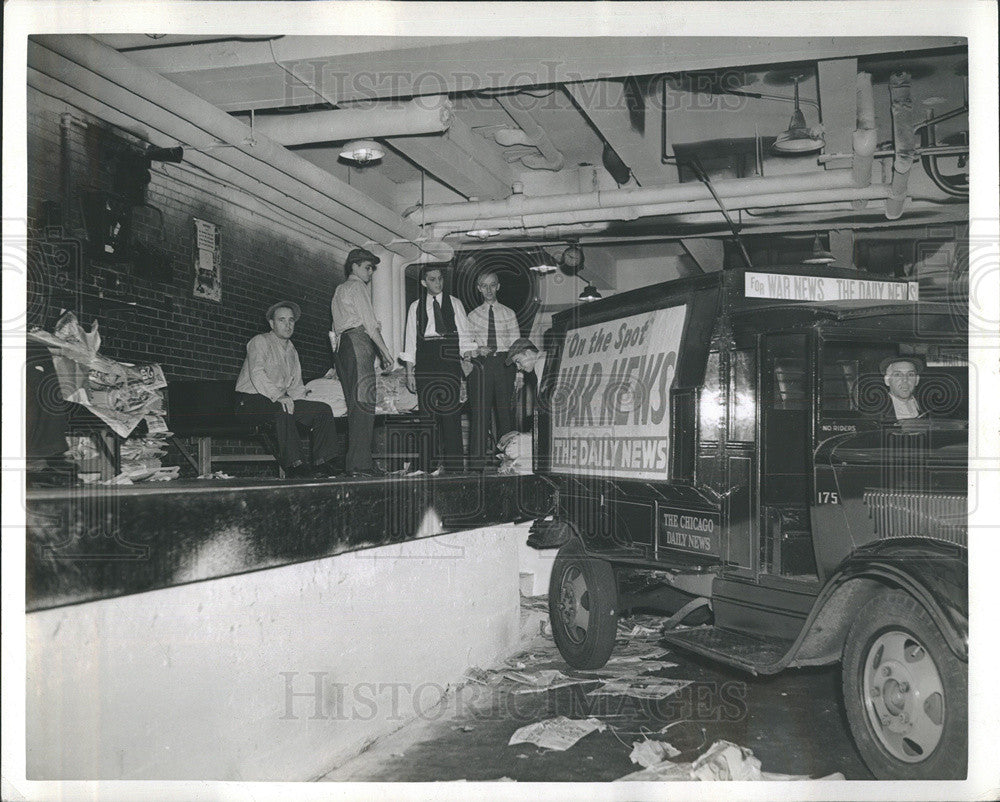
787,298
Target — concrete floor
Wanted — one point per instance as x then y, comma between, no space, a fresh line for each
793,723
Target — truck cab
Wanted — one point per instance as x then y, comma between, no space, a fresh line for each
727,450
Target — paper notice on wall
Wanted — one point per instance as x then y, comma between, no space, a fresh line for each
204,235
207,261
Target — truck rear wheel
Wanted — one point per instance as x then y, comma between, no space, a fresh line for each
583,607
905,692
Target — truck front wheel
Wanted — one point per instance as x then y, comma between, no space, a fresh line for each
583,607
905,692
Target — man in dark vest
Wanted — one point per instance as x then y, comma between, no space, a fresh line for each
437,333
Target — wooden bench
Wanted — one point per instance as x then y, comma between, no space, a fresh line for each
205,410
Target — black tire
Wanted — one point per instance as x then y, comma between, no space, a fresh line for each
583,607
905,692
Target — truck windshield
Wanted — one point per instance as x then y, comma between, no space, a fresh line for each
885,382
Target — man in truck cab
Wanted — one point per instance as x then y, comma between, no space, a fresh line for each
901,375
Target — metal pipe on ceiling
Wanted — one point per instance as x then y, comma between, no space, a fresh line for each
634,212
520,205
904,142
100,72
424,115
865,137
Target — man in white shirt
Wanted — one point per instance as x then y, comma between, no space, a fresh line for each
437,334
270,384
901,376
493,330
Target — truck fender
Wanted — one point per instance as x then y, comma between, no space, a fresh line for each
935,574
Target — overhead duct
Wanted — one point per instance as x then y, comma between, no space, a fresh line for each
904,142
83,72
551,157
865,136
520,205
424,115
634,212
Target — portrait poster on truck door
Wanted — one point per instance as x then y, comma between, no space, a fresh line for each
610,404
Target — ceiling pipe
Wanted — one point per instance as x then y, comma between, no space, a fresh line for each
904,141
520,205
93,70
424,115
761,201
551,157
865,136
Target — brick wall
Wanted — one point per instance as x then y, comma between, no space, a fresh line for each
264,258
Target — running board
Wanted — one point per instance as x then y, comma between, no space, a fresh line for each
754,653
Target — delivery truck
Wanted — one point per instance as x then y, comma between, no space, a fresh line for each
726,450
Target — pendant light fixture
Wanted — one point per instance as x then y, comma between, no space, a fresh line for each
362,151
819,255
797,140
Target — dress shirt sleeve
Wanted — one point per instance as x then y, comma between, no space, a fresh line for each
510,327
258,354
296,390
409,353
476,328
466,342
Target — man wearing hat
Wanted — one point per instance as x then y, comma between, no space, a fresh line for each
270,384
357,341
901,375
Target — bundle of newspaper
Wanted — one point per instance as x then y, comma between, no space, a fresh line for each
119,393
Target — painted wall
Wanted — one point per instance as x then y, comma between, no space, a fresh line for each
218,680
266,256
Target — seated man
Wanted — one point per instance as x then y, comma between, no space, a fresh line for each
901,375
270,384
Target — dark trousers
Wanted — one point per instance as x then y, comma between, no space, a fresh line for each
315,416
355,361
438,374
46,414
491,385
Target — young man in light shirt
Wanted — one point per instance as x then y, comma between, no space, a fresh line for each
437,334
270,386
493,329
357,341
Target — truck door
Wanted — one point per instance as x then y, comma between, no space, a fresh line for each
787,548
728,449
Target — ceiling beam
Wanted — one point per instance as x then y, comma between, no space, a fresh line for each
451,165
838,103
605,105
483,152
297,70
707,253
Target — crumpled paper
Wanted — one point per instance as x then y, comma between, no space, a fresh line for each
723,760
118,393
648,753
558,733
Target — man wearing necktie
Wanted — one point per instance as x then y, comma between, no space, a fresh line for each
437,333
494,329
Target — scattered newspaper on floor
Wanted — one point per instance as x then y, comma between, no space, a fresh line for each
722,761
558,733
540,681
649,753
641,687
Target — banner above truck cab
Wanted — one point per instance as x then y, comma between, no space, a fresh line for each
610,405
791,287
